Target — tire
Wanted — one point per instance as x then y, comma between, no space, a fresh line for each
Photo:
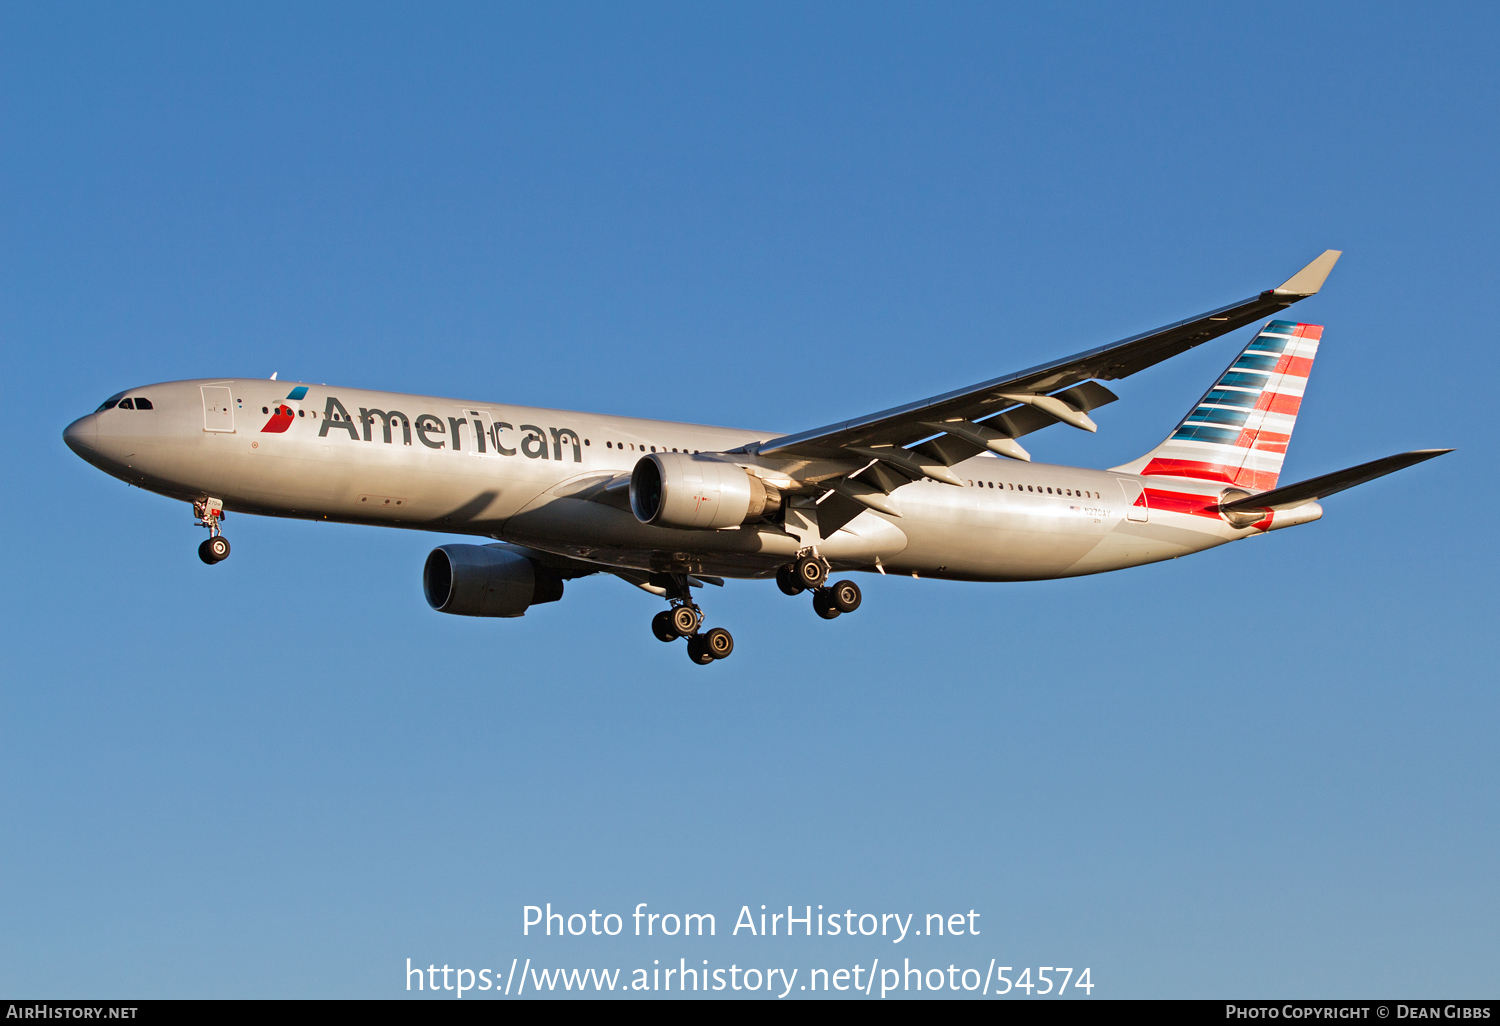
685,620
823,604
218,547
698,652
719,642
205,554
810,572
786,580
846,596
661,626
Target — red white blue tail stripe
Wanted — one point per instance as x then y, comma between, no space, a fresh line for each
1238,432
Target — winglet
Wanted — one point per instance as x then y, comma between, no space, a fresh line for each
1309,280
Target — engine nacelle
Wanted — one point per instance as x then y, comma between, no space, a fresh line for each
486,580
679,489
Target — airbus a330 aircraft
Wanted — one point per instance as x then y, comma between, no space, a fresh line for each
937,488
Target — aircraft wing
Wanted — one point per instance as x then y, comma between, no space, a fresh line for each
993,413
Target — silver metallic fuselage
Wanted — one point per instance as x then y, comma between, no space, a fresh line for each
539,482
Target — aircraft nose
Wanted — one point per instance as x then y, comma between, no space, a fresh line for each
82,434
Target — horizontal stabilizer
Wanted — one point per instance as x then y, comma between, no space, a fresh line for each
1329,484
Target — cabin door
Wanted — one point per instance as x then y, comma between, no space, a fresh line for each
1135,501
218,408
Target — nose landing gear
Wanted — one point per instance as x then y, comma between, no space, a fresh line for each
683,620
210,513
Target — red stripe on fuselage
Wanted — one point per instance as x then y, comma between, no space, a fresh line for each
1182,502
1187,502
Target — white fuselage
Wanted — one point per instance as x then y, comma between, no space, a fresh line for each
536,477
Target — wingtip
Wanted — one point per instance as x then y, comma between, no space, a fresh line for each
1310,279
1415,456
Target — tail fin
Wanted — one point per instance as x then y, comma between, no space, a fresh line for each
1238,432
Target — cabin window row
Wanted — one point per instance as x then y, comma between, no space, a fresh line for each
643,448
1075,493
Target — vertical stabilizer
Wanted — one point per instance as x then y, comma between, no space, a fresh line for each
1239,431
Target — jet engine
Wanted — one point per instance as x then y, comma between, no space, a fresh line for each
678,489
486,580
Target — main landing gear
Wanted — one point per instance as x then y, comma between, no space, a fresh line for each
210,513
809,573
684,620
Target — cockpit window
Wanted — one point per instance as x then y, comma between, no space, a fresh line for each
142,403
126,404
110,402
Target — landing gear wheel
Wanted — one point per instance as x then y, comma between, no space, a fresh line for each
686,620
846,596
698,652
719,643
810,571
823,604
214,550
786,580
661,626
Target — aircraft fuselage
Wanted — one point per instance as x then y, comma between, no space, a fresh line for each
537,477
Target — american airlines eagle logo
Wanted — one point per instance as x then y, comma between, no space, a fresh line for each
283,415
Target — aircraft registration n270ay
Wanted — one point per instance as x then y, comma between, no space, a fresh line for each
938,488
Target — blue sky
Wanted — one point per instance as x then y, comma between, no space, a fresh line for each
1267,770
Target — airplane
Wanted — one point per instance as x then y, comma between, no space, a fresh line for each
939,488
